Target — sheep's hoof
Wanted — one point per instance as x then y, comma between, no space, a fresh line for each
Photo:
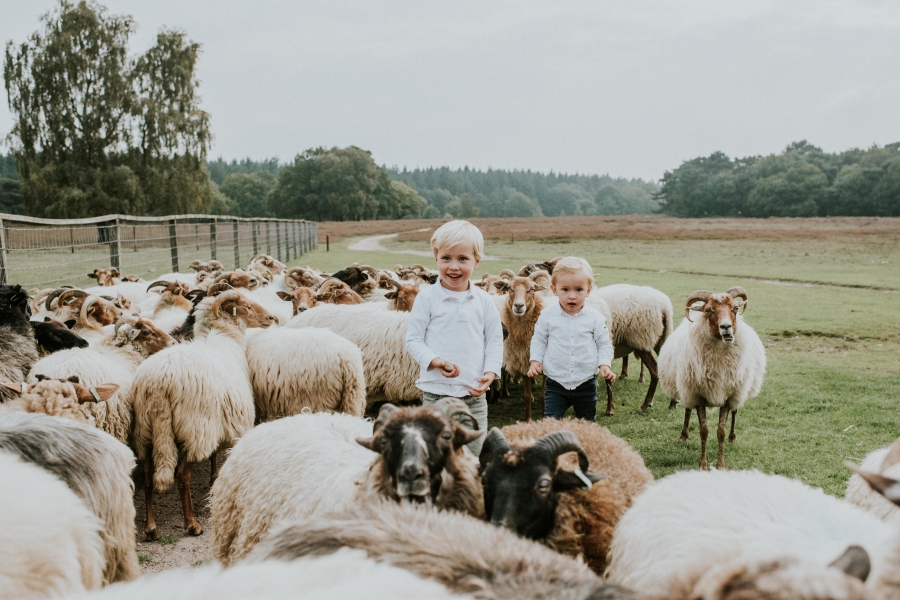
704,466
732,438
642,379
610,413
151,534
195,529
720,465
683,437
645,407
672,404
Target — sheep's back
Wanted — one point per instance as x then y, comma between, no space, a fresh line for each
17,354
292,468
641,316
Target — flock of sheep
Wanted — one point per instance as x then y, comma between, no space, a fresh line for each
316,500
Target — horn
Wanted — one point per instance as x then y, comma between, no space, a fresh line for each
158,283
53,295
695,297
738,292
195,265
527,270
384,413
63,297
506,274
417,267
495,445
393,283
216,265
540,274
559,442
218,288
371,270
88,303
452,407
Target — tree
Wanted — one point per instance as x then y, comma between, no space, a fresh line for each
249,193
96,131
563,198
518,204
407,202
792,193
464,207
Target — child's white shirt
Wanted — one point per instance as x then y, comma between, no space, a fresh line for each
461,327
571,348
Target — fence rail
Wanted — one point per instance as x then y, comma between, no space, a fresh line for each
45,252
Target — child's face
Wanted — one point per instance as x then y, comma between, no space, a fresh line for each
455,264
572,289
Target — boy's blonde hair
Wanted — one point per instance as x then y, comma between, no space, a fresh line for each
572,265
457,232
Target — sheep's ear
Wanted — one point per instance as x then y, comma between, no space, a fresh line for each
479,284
14,388
886,486
285,296
539,288
92,275
854,562
104,392
390,295
567,480
70,323
501,285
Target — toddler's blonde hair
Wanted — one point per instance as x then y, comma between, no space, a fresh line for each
573,265
457,232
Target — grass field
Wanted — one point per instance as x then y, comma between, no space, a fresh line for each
823,295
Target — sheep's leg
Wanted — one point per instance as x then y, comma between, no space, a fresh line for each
213,468
183,475
647,359
624,373
150,530
732,437
504,384
610,401
642,377
529,398
687,425
704,433
720,436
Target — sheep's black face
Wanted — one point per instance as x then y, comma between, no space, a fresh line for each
415,452
13,297
53,338
519,494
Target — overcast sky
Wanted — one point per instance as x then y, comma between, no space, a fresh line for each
629,88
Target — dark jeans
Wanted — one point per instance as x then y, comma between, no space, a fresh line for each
583,399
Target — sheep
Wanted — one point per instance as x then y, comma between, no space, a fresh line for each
527,491
344,574
299,277
240,279
112,361
301,298
134,292
106,277
310,464
520,312
362,279
705,519
295,368
717,360
172,306
52,336
17,344
191,398
266,264
390,371
487,282
132,279
334,291
61,398
96,467
544,266
93,316
212,266
884,462
639,321
50,543
465,554
402,297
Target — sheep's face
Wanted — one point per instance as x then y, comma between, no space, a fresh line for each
97,312
240,279
53,336
720,311
487,284
146,338
303,298
300,277
402,297
522,484
415,443
235,306
521,294
13,297
337,292
105,277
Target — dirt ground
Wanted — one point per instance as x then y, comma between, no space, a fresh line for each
175,548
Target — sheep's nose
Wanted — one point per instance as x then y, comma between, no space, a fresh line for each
300,309
726,327
519,305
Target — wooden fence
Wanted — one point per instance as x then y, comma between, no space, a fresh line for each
46,252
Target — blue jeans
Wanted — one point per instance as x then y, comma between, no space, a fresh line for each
478,406
583,399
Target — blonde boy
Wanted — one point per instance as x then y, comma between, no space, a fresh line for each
454,330
571,343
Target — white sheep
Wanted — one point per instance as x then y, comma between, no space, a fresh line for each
312,464
295,368
696,520
390,371
50,542
716,361
885,462
342,575
639,320
192,398
96,468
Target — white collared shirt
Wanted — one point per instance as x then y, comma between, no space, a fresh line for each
571,348
461,327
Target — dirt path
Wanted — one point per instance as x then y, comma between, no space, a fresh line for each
373,244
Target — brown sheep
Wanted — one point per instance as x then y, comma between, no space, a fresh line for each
301,277
531,488
241,279
402,296
334,291
106,277
303,298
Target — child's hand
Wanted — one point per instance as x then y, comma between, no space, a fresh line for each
536,368
442,365
484,383
607,374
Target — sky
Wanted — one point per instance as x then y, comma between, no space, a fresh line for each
628,88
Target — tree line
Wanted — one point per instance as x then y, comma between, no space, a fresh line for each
801,181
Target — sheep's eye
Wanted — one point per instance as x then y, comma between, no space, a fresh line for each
543,486
708,311
446,435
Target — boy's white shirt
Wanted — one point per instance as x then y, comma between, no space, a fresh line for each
465,331
571,348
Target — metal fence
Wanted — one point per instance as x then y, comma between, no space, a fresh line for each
45,252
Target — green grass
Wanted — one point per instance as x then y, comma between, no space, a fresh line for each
167,539
203,562
144,557
833,374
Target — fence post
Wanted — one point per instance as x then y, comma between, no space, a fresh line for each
212,239
173,244
72,238
293,241
254,229
133,239
115,245
268,238
278,240
237,244
4,265
305,231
